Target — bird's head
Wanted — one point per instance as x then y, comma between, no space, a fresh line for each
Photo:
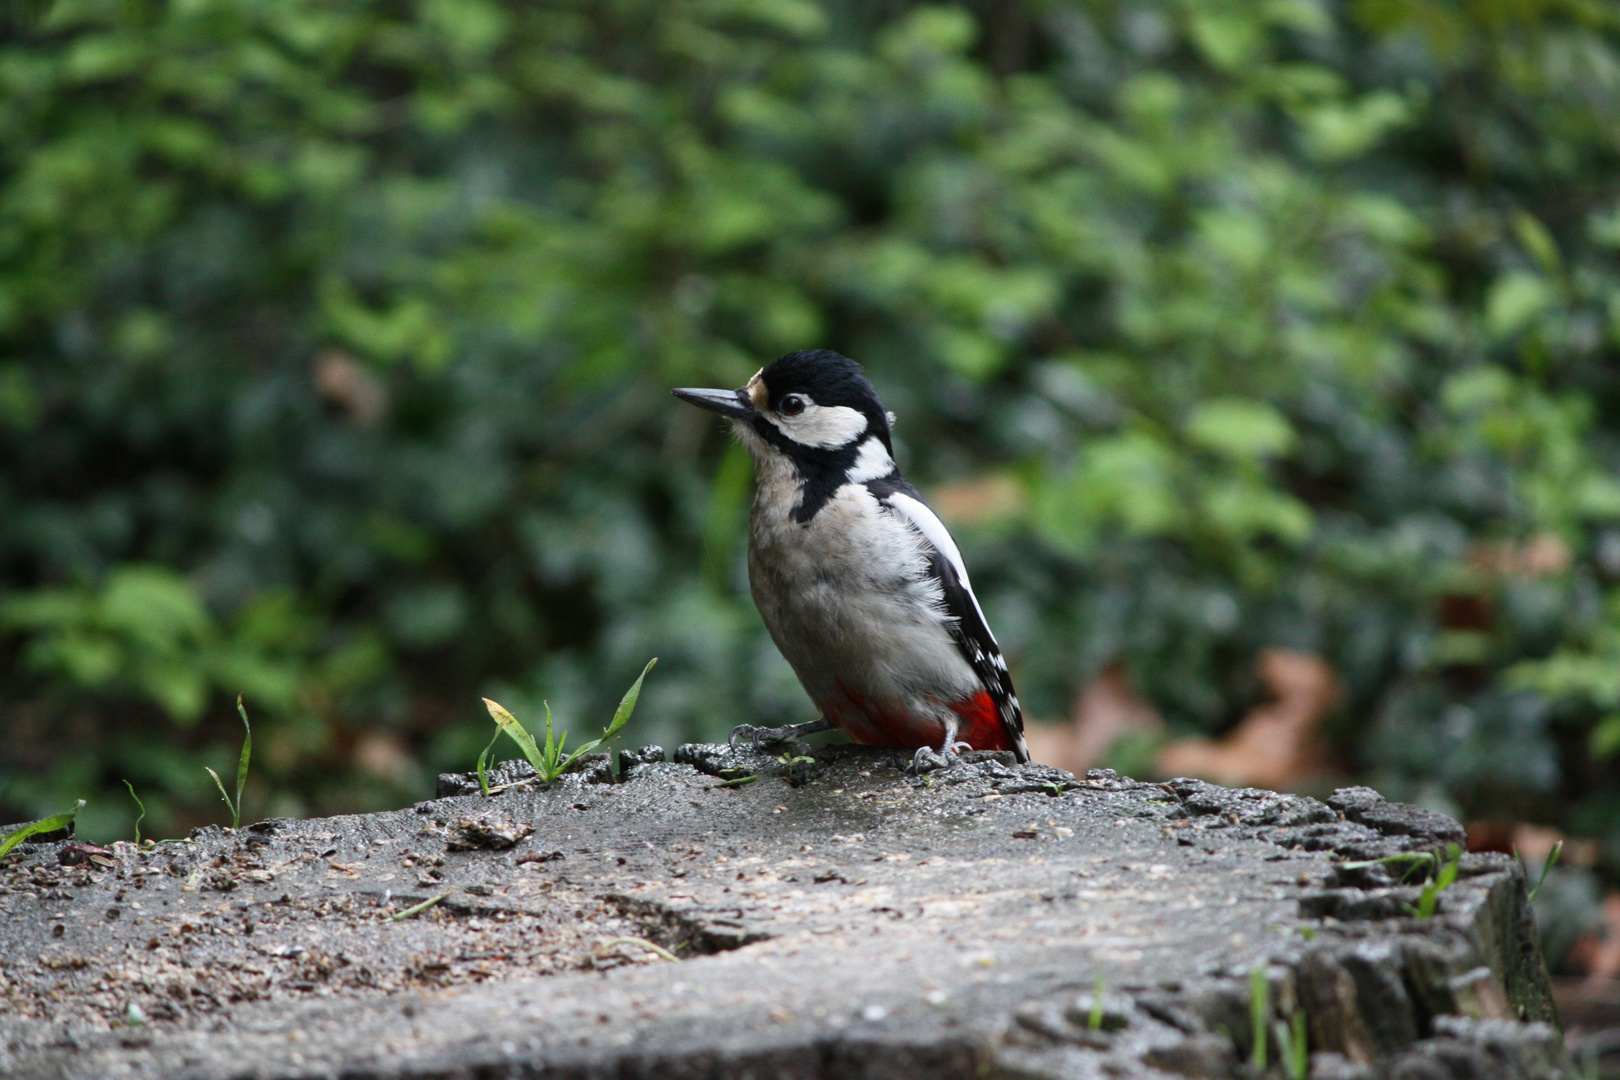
813,407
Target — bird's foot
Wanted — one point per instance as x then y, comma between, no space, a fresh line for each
927,759
789,737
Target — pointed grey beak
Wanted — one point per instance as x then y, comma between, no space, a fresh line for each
732,404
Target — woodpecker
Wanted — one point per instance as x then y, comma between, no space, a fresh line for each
859,583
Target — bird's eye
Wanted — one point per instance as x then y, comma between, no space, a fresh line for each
792,405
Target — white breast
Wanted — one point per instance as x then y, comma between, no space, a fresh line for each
847,597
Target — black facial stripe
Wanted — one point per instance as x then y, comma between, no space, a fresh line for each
821,471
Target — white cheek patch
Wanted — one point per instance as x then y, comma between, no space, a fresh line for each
824,426
872,462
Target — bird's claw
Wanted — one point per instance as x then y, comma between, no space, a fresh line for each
927,759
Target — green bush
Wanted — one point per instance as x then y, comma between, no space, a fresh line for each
335,341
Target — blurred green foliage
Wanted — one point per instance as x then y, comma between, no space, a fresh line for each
336,339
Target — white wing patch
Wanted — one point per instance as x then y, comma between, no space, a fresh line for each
915,513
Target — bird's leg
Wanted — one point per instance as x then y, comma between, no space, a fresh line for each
927,759
790,736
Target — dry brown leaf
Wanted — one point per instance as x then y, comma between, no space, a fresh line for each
984,498
1107,708
1541,555
351,386
1276,745
383,754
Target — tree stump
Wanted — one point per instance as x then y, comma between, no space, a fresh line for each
728,914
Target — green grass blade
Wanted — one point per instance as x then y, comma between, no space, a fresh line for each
1414,860
140,817
621,717
656,950
508,723
1444,878
554,759
236,817
1448,873
1259,1010
553,762
411,912
50,824
627,704
554,754
483,764
1546,867
242,761
1299,1048
584,749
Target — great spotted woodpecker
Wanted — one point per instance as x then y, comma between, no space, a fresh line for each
859,583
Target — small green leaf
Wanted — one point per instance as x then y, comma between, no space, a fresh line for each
1477,389
1337,131
48,825
1515,300
1537,241
508,723
1240,429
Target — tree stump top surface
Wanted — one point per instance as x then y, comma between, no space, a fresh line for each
831,918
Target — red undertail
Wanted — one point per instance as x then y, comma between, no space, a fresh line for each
881,723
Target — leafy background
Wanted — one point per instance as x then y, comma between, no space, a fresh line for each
336,339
